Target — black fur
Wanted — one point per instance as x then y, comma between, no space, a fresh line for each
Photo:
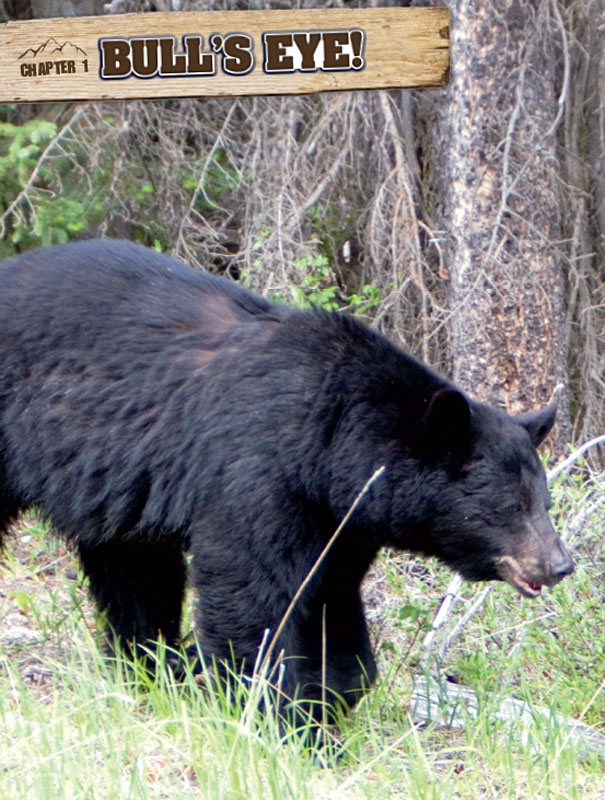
150,409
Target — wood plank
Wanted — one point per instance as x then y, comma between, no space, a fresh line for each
228,53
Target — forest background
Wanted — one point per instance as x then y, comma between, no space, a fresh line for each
466,223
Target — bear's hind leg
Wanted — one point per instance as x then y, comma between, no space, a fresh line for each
139,586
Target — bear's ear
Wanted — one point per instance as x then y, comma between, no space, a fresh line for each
448,419
539,423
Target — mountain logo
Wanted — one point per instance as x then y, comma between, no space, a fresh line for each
53,58
51,47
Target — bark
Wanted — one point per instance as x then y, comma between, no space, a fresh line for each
491,138
595,119
584,176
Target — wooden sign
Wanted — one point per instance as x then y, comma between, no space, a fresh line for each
223,53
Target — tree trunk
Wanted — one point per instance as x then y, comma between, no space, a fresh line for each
583,159
491,149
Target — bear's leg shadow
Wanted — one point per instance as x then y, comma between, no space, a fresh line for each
139,585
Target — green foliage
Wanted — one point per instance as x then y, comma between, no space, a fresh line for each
314,287
368,299
211,181
56,220
20,146
315,277
49,202
43,217
328,231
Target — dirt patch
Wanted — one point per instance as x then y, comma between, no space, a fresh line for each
42,599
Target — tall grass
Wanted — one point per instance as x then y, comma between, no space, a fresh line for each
79,726
105,732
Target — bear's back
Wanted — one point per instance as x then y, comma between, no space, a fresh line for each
87,294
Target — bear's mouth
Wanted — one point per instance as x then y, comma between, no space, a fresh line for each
510,571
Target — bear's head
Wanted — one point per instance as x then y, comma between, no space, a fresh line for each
486,496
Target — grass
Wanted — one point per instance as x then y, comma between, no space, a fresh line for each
75,725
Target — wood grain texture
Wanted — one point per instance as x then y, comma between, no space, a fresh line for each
60,59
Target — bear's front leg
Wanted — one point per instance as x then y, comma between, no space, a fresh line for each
323,652
328,655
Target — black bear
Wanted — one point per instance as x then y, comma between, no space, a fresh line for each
150,410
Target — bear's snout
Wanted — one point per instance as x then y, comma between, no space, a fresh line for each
539,559
562,567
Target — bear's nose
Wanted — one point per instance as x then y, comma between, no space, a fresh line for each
562,567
